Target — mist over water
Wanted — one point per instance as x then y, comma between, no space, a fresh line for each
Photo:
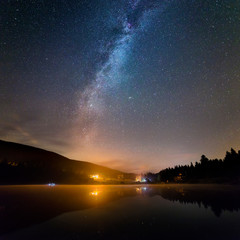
120,212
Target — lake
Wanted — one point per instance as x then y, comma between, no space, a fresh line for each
120,212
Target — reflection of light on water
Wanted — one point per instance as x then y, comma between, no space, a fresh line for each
94,193
141,190
181,191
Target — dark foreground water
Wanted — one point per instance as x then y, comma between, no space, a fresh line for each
120,212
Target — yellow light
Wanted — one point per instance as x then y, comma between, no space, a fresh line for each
138,179
94,176
95,193
139,190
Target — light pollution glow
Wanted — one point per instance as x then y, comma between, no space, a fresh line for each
135,85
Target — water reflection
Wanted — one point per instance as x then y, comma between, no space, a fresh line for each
95,193
23,206
141,190
217,198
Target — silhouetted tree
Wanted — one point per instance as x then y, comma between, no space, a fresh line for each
215,170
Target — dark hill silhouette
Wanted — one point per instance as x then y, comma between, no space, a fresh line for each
22,164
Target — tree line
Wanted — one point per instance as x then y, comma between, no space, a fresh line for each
225,170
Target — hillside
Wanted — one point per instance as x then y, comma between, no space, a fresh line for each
22,164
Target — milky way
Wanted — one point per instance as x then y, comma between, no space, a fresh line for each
136,85
109,76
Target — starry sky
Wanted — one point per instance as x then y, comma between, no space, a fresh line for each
135,85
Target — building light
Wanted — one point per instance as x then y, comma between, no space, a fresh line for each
95,177
138,179
51,184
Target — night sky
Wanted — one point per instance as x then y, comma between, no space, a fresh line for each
135,85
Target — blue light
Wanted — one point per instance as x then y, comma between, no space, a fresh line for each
51,184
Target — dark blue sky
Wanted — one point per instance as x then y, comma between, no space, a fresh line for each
136,85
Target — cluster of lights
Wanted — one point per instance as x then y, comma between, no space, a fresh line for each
94,176
95,193
51,184
140,179
141,190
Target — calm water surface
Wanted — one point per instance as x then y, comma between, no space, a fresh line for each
120,212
